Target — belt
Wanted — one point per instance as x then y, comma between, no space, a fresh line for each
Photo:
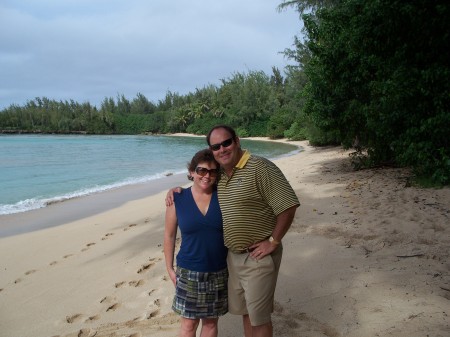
243,251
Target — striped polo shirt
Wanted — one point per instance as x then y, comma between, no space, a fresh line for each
251,199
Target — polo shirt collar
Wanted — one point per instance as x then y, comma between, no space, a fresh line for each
243,160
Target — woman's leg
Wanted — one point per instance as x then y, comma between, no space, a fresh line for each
188,327
209,327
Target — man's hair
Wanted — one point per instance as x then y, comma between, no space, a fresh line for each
221,126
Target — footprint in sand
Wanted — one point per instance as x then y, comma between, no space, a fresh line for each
107,299
87,246
92,318
119,284
87,333
130,226
30,272
113,307
152,314
107,235
145,267
137,283
156,311
90,244
67,256
74,318
18,280
291,323
53,263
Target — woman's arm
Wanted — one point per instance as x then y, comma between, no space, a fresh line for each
170,235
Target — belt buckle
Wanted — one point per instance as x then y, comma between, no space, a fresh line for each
245,250
248,250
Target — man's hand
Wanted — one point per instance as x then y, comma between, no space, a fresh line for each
169,195
261,249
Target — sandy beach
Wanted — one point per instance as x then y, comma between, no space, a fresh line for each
366,256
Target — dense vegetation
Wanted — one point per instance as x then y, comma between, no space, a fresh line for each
255,103
370,75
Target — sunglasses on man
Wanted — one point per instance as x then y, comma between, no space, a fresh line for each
225,143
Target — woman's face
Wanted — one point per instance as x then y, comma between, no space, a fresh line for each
205,175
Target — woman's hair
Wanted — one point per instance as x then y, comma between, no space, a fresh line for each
221,126
201,156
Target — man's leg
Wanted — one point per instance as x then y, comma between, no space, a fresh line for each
247,326
259,283
264,330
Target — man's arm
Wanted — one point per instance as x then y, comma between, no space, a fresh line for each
169,195
284,221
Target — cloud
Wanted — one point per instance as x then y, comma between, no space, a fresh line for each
90,49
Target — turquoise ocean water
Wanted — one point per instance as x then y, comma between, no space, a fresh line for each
37,170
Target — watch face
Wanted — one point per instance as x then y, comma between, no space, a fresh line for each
272,240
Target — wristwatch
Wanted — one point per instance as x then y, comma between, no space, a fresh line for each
273,241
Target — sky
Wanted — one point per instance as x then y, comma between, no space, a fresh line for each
87,50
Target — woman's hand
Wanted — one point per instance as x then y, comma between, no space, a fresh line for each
173,276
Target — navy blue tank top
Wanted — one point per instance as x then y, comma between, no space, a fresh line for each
202,247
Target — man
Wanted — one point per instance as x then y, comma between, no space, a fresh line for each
258,206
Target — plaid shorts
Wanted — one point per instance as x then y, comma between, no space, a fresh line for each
201,295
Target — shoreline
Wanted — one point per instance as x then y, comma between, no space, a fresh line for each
366,256
59,213
76,208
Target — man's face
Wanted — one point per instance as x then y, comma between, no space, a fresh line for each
226,156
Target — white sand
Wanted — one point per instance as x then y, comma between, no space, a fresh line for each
365,256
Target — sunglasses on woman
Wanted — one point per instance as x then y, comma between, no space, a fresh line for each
225,143
202,171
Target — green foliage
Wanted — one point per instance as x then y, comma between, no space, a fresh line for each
257,128
132,124
379,81
279,122
45,115
295,132
247,98
202,125
242,132
141,105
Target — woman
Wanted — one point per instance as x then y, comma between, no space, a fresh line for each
201,273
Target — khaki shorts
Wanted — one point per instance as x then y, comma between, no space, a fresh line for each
251,285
